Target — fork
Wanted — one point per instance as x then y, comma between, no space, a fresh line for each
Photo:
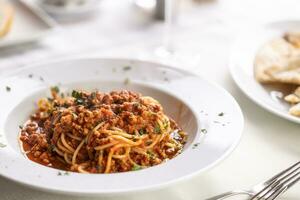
270,189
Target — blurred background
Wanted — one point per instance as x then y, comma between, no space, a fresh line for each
195,35
184,32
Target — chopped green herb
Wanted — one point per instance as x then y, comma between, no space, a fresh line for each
166,79
142,131
136,167
126,68
30,75
166,124
62,95
66,173
49,99
2,145
78,97
157,128
126,81
221,114
203,131
195,145
79,101
136,105
51,148
8,89
150,154
76,94
20,127
55,89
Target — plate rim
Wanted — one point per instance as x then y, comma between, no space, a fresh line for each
215,163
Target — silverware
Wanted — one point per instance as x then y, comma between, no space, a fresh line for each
271,189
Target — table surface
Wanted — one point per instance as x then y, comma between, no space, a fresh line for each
203,36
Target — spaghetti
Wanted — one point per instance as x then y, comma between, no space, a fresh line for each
94,132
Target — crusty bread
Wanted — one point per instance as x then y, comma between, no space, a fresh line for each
275,62
278,61
6,18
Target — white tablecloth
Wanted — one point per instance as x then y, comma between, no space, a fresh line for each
269,143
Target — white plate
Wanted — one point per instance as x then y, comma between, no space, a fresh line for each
30,24
242,66
202,101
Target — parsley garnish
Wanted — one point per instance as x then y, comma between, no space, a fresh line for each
99,168
221,114
142,131
55,89
79,101
50,99
76,94
150,154
20,127
50,148
66,173
157,128
166,124
8,89
203,131
126,81
195,145
78,97
136,167
2,145
93,95
126,68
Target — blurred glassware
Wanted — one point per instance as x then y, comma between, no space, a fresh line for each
168,10
145,4
171,50
69,9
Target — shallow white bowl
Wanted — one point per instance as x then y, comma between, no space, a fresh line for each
193,102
